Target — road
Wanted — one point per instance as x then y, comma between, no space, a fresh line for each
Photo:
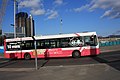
106,65
108,58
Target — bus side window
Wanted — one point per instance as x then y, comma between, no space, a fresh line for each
27,45
86,40
8,47
90,40
95,40
76,41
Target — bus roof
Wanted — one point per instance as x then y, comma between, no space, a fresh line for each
19,39
65,35
52,36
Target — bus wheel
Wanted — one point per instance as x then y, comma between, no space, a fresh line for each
76,54
27,56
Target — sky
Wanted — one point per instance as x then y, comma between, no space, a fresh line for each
102,16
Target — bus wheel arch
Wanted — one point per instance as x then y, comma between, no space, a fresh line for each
27,56
76,54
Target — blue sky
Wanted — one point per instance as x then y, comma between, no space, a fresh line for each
102,16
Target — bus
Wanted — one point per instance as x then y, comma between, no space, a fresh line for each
49,46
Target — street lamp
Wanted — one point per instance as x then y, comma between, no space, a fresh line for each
60,26
36,66
14,18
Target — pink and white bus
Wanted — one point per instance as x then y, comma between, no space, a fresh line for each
49,46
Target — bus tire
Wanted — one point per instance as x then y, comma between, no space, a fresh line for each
27,56
76,54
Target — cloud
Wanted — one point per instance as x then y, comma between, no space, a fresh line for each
37,11
58,2
52,14
111,7
79,9
30,3
36,6
111,13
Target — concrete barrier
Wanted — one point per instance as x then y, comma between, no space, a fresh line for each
109,43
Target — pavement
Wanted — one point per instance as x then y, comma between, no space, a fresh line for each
77,72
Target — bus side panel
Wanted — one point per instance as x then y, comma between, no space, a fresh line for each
20,55
56,52
40,53
10,55
67,53
87,52
13,54
31,52
17,54
94,51
6,55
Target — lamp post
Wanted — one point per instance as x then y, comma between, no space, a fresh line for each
60,26
14,18
36,65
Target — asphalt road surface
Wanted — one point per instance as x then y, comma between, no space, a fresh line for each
107,57
105,65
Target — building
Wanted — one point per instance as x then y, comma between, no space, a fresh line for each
30,27
11,35
24,24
